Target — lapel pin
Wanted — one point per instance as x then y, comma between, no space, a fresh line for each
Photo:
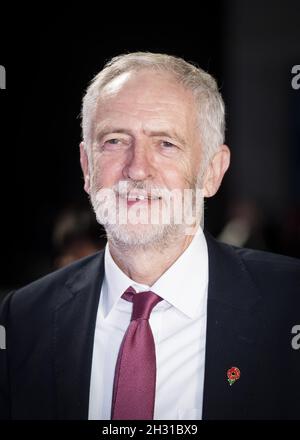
233,374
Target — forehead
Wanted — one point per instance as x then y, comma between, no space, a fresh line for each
146,95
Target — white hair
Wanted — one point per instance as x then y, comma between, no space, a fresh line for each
203,86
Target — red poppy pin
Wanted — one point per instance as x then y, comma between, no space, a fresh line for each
233,374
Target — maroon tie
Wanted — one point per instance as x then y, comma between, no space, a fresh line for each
135,374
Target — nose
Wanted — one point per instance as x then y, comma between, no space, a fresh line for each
138,165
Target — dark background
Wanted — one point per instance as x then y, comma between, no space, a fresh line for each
50,55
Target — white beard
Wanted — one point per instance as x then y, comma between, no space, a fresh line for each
141,231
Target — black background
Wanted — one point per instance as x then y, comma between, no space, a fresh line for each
51,53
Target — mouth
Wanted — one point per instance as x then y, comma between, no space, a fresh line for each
133,199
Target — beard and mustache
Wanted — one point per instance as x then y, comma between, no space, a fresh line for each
161,219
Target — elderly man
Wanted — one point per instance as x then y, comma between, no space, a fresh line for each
165,323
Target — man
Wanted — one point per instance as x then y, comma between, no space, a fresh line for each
218,339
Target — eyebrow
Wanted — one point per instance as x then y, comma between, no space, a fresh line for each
104,130
100,132
171,134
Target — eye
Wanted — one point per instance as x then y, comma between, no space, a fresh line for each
167,144
113,144
112,141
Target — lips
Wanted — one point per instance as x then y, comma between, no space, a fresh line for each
140,197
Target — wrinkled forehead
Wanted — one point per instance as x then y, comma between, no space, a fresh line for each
145,92
141,79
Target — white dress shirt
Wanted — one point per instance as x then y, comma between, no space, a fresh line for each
178,325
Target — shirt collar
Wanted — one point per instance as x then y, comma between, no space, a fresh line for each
183,285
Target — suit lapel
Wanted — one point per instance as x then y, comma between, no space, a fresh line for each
73,337
233,329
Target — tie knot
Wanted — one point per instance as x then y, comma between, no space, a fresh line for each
143,302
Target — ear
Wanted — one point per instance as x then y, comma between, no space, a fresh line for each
215,171
84,162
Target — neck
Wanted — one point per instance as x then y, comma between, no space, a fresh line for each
146,265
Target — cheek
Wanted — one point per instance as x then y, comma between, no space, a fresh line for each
183,172
176,176
107,171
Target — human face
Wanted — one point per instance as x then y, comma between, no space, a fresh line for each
144,133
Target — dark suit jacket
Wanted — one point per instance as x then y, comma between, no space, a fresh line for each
253,304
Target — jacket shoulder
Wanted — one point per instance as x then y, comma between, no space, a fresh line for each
262,261
45,291
268,258
271,272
